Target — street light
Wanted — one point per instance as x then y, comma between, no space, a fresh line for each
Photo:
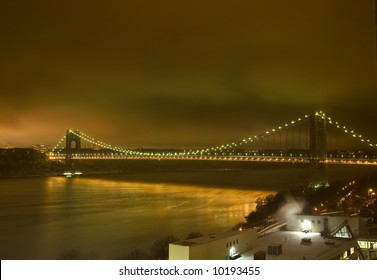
370,192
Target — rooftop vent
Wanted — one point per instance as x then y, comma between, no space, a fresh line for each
306,241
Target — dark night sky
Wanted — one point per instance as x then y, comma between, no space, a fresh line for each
182,73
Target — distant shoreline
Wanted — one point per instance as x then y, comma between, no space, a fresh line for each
275,178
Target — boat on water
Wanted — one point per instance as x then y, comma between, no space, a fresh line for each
70,174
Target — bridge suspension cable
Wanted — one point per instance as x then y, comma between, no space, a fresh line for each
352,133
56,147
251,139
93,141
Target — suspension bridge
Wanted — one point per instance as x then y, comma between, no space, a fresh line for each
315,139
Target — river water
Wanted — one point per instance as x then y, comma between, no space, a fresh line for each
108,216
42,218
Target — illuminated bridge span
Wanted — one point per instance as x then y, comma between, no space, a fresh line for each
315,139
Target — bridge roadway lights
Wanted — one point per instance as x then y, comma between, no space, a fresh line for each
338,161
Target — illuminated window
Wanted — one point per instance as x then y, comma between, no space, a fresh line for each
344,232
345,254
363,244
232,251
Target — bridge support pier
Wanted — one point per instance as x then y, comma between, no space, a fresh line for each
72,144
317,153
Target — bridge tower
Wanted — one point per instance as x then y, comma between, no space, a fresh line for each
318,151
72,144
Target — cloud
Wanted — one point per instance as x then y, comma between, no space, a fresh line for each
176,73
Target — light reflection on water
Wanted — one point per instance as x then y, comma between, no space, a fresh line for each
44,217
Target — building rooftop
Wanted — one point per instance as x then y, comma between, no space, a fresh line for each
293,247
208,238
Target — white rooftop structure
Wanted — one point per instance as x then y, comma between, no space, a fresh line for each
310,237
296,245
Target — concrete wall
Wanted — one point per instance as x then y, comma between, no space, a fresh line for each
179,252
